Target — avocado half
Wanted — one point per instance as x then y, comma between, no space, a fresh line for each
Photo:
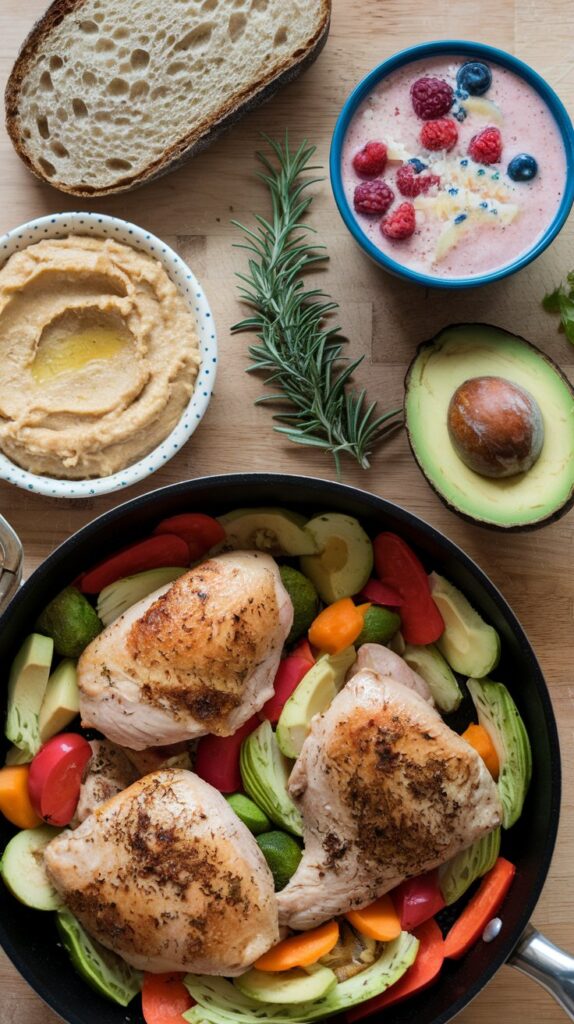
528,500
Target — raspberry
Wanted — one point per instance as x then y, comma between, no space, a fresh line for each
400,223
431,97
371,159
411,184
441,134
373,197
486,147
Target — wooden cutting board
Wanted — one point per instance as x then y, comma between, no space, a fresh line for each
384,319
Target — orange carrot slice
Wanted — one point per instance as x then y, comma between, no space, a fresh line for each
337,626
15,802
479,738
300,950
483,906
377,921
164,998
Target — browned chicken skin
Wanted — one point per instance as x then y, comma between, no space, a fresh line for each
198,656
166,875
387,791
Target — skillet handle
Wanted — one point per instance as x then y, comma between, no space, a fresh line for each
11,557
550,966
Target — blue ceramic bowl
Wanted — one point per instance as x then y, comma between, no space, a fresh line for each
473,51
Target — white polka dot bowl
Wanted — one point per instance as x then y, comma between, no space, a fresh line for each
60,225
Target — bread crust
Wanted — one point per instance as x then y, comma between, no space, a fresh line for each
194,142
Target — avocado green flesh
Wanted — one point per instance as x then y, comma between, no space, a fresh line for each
22,868
26,687
458,874
317,689
61,701
473,350
275,530
220,1002
106,972
470,645
498,714
345,558
429,663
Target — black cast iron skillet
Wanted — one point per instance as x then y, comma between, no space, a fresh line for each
29,937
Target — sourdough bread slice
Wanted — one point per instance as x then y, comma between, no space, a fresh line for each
108,94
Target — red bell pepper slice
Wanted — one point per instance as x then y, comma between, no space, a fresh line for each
303,650
199,531
381,593
423,972
417,899
164,998
217,758
55,777
153,553
398,566
289,674
483,906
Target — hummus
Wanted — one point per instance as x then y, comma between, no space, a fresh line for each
98,356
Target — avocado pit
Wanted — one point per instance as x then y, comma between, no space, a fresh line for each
495,426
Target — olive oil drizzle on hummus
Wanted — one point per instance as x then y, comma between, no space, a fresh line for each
58,355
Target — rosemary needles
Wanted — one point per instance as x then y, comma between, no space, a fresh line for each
298,352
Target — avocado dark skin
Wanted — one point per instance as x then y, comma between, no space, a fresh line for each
553,514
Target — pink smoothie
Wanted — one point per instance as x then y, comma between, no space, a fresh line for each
477,220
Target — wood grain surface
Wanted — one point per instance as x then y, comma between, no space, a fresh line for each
384,319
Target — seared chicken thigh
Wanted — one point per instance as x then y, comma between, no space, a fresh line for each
198,656
387,791
166,875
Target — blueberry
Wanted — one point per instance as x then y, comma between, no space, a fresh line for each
417,165
475,77
522,167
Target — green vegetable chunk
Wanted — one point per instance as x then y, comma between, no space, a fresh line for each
317,689
468,643
22,868
498,714
458,874
106,972
298,985
304,598
249,813
220,1002
26,687
274,530
436,672
116,598
265,774
282,854
71,622
61,701
345,558
379,625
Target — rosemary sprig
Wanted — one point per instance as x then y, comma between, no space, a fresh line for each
299,354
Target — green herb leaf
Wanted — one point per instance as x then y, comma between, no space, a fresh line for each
299,353
566,306
561,301
551,301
